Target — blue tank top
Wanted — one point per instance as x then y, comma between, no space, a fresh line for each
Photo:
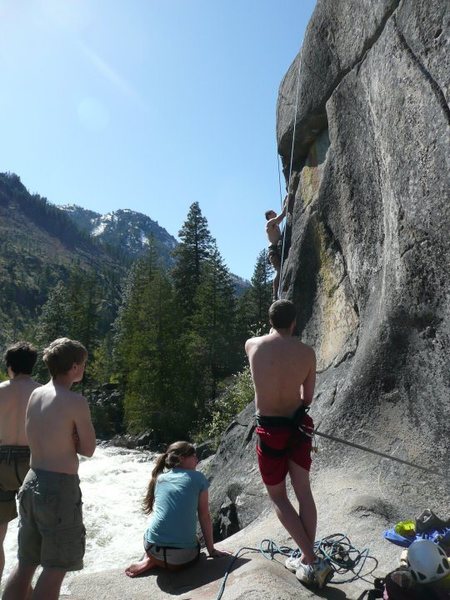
173,522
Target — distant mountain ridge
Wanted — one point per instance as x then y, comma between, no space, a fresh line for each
124,228
131,231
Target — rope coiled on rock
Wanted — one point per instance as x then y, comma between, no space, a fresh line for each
336,548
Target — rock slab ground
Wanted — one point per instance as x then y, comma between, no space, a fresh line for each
349,504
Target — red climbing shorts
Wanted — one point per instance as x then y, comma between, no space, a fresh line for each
296,446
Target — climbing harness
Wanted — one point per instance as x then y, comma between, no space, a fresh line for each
293,423
337,549
160,552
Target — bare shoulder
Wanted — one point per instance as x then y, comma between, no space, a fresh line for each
39,391
76,404
253,342
32,388
306,350
250,343
306,347
4,391
76,398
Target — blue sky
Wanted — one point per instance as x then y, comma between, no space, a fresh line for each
150,105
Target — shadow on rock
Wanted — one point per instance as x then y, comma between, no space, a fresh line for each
205,571
331,593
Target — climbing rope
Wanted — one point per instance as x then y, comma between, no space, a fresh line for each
366,141
336,548
345,558
279,181
291,161
371,451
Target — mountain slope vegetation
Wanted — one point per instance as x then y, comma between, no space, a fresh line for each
39,246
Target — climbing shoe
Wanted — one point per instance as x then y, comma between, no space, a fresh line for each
294,561
429,520
319,573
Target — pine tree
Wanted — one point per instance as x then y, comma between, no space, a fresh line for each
253,305
262,287
149,354
214,319
191,256
127,327
54,322
55,319
74,309
83,290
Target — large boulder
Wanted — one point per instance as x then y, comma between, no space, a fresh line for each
369,260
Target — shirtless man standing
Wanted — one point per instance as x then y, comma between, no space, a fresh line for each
14,451
284,373
58,427
274,236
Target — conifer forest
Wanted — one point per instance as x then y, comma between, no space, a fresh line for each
165,342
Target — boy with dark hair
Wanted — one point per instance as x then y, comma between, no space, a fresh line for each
59,427
284,373
282,314
20,359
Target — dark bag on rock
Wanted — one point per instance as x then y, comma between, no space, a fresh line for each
398,585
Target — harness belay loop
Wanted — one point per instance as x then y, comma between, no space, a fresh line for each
295,423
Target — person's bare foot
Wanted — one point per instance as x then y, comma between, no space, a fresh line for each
140,567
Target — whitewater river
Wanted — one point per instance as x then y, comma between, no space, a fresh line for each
113,483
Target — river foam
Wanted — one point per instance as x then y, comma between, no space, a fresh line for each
113,483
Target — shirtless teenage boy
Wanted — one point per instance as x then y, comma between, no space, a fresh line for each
58,427
14,451
284,372
274,236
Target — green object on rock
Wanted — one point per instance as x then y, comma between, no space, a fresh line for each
406,528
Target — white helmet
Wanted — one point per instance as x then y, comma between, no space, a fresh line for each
427,561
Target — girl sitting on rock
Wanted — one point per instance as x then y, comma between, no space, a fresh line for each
176,494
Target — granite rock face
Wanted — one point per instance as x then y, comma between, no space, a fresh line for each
369,259
236,493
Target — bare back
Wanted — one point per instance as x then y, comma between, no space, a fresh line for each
14,396
58,426
283,371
